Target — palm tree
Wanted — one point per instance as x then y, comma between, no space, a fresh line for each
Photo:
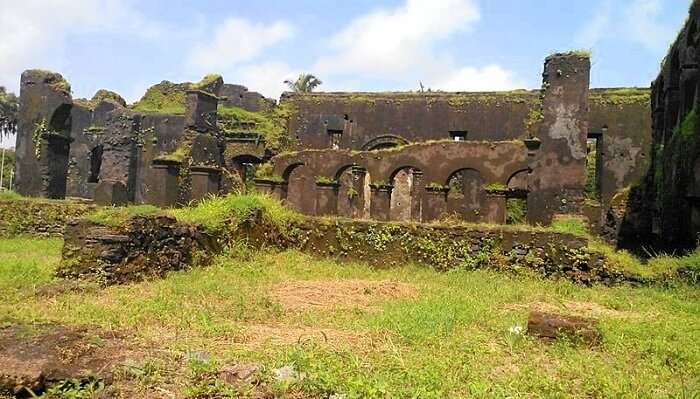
305,83
9,110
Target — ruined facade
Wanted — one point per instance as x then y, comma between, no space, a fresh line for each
666,207
493,157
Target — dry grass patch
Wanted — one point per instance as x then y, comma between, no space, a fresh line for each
574,308
302,295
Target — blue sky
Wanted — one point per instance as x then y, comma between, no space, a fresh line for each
452,45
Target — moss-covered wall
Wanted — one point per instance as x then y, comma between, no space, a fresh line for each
363,117
39,217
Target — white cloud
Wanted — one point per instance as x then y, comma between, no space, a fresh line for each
400,46
235,41
488,78
393,41
636,22
33,32
643,27
266,78
595,29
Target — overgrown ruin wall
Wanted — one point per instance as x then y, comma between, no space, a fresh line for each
169,148
670,195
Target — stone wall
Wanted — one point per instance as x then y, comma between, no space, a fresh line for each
152,246
146,247
39,217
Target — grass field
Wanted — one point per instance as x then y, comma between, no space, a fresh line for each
357,332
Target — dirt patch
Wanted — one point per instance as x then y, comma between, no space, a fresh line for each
573,308
37,356
300,295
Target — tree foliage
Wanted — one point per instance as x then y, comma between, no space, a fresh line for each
9,111
305,83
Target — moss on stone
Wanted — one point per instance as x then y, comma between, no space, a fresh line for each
166,98
620,96
271,124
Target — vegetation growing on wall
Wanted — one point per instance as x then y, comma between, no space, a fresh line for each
169,98
620,96
270,123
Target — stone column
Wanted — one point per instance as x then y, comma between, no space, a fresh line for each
327,198
205,181
559,167
495,207
164,183
380,203
434,203
417,195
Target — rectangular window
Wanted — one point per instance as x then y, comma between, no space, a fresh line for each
335,136
458,135
593,166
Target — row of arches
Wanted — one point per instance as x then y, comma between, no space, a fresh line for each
406,197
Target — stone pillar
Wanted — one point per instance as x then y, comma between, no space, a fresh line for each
327,198
380,203
495,207
417,195
205,181
434,203
164,183
200,111
559,167
357,200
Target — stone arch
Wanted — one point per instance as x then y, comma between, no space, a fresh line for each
95,164
61,120
406,194
466,194
353,191
243,166
301,187
516,197
385,141
56,149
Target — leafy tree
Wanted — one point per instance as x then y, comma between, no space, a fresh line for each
305,83
9,110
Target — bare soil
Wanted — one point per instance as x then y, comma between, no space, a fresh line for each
365,294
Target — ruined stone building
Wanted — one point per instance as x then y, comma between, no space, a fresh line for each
495,157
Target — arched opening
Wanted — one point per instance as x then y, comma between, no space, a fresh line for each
384,142
95,164
354,192
405,195
243,168
516,198
301,188
57,151
466,195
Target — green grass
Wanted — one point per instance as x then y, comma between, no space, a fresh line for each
215,212
571,225
451,340
9,195
119,216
